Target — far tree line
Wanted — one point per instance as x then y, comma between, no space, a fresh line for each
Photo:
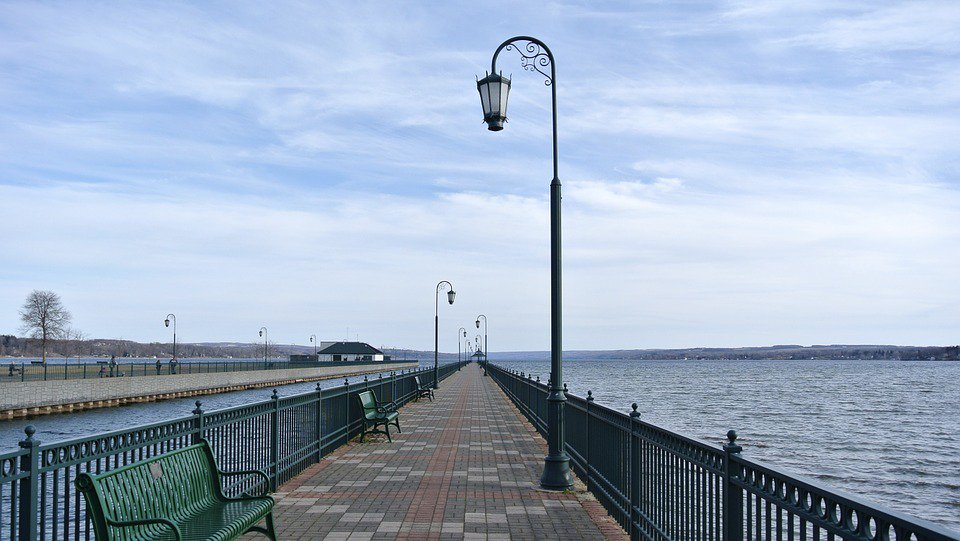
46,324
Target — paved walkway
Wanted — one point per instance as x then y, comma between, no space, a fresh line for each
467,466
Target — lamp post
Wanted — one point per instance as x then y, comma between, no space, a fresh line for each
459,341
486,347
451,294
494,89
166,323
313,340
263,333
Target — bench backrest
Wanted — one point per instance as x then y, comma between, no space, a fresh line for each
166,486
416,379
368,403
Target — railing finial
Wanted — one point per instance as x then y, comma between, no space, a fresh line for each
275,396
589,396
634,413
198,410
731,445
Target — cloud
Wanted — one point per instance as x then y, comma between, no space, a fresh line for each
749,173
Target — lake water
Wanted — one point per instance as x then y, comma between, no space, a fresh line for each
886,430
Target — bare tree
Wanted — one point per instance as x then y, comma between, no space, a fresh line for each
74,342
44,317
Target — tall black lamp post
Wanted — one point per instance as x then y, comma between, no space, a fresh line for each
486,347
313,340
494,88
263,334
451,294
460,340
166,323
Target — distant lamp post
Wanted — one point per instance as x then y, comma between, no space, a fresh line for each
486,346
313,340
263,334
166,323
460,340
451,294
494,89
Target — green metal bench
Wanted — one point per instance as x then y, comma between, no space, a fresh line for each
423,390
375,415
175,496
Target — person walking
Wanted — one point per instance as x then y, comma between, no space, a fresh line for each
159,366
103,370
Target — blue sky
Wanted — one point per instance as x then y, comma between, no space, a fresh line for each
734,173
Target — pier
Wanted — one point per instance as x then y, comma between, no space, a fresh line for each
40,397
467,466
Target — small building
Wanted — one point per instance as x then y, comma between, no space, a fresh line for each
350,351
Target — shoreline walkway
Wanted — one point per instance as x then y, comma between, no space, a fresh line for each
467,466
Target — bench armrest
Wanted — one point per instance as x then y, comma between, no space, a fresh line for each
266,478
390,406
146,522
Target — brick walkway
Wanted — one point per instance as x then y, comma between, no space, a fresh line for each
467,466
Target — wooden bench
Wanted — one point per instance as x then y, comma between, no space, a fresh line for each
423,390
174,496
374,415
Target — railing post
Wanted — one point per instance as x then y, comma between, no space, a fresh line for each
732,494
319,422
197,424
586,457
275,442
634,473
29,486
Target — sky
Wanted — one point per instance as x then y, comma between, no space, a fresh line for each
734,173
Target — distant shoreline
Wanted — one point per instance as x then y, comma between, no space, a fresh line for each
128,350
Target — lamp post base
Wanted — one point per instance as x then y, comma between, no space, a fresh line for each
556,473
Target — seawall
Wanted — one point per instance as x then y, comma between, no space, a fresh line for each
21,399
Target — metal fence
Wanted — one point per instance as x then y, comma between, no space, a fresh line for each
279,436
36,371
660,485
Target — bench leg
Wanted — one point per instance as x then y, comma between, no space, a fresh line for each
386,430
272,533
268,531
397,423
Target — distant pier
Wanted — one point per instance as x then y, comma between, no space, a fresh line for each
29,398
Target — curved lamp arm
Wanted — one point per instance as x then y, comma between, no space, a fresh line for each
436,297
535,56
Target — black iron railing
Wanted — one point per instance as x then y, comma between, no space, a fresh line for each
660,485
36,371
280,436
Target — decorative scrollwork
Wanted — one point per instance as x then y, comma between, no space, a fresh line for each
533,57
